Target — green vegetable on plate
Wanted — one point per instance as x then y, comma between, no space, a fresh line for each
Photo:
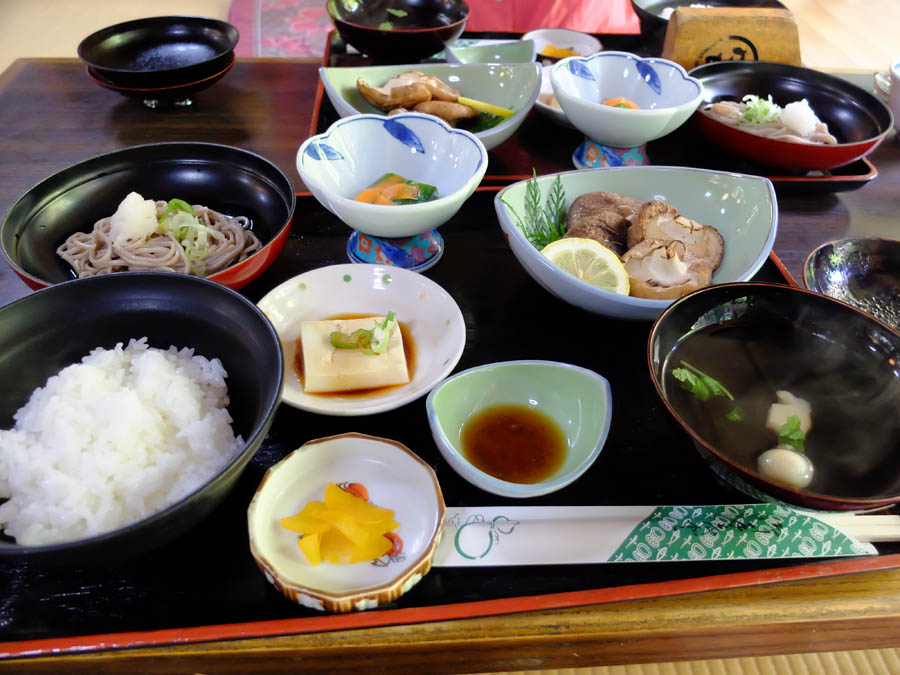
542,225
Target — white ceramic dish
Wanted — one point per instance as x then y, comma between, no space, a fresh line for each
563,38
542,104
666,95
514,86
356,151
427,310
742,208
395,479
509,51
577,399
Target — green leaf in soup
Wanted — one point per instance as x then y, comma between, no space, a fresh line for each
791,434
386,25
399,13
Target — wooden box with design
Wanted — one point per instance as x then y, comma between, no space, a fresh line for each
696,36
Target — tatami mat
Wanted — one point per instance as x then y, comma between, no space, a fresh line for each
861,662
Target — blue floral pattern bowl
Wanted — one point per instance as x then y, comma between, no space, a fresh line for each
663,91
356,151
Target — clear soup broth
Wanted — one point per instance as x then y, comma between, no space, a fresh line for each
854,395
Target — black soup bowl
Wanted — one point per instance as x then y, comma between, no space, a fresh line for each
227,179
756,339
398,31
160,51
46,331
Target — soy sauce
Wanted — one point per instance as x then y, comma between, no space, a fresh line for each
514,443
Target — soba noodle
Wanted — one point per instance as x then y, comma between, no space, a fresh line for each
98,252
802,127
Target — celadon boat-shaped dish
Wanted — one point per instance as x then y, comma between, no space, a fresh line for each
395,479
741,207
514,86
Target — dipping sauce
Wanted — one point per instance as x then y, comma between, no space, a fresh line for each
409,351
514,443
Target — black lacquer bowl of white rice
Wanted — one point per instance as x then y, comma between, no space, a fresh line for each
111,443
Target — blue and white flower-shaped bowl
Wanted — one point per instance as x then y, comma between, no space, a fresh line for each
356,151
665,94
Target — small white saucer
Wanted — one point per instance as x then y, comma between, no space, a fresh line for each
432,316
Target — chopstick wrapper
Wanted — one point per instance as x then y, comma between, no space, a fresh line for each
554,535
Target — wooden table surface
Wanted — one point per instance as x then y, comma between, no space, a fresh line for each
52,115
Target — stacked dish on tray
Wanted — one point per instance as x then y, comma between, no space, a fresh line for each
686,241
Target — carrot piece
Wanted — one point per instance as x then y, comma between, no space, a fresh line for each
368,196
621,102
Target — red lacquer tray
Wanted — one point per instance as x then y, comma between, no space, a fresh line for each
205,586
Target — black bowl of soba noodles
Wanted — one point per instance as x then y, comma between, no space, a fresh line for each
202,209
132,405
788,395
159,51
788,117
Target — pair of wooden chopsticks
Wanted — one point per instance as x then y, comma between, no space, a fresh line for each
865,527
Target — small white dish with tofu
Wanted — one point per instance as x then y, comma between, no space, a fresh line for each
424,343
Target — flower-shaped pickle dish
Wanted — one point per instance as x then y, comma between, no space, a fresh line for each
363,151
432,325
394,478
742,208
513,86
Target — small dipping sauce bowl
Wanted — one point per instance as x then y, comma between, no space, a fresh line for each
578,400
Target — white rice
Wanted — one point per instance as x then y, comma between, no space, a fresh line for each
111,440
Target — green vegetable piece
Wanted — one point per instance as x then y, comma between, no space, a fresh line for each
692,383
381,335
400,13
356,340
426,193
482,122
791,434
542,225
386,25
705,387
369,341
759,110
176,205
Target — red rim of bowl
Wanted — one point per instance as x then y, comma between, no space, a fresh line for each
784,154
792,495
175,87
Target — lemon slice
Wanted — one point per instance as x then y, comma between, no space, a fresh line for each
590,261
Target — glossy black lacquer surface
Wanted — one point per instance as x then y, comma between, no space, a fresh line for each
208,575
759,338
48,330
399,31
852,113
227,179
159,51
863,271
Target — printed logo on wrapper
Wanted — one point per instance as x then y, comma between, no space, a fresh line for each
754,531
